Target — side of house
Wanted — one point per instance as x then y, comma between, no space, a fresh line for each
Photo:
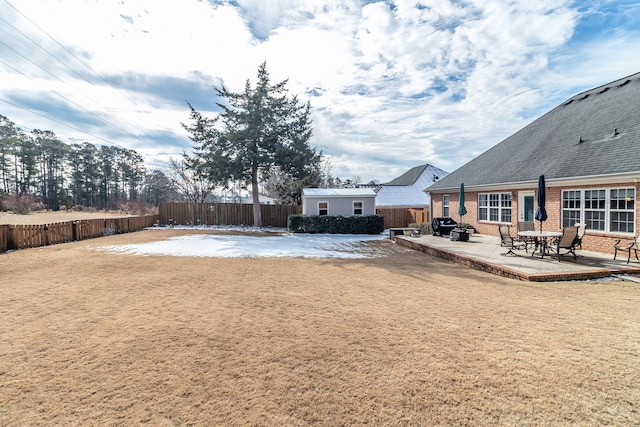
588,149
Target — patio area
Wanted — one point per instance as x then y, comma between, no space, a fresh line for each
484,253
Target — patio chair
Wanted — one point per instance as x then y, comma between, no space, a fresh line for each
507,240
568,241
527,226
582,227
627,245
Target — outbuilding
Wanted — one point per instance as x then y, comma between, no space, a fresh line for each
338,201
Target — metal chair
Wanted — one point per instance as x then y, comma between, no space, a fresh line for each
507,240
627,245
582,227
568,241
527,226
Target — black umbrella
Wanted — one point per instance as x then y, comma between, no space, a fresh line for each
541,213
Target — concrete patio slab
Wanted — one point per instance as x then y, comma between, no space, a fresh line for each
484,253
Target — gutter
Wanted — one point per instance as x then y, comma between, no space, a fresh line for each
553,182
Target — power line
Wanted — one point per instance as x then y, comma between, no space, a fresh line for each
28,59
72,70
14,69
45,50
70,53
56,121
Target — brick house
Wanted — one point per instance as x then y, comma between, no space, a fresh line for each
588,149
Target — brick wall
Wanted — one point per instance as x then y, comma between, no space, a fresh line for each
593,240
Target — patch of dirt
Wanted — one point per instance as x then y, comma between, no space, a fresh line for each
96,338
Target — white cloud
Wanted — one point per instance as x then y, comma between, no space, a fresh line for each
392,84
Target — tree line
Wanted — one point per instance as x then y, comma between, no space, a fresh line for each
37,168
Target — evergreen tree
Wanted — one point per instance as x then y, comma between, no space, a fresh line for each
261,128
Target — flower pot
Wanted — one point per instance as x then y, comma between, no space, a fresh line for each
459,235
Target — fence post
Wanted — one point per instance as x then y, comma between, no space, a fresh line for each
12,240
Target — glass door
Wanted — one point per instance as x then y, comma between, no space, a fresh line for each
526,205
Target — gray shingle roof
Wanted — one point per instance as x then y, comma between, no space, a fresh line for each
594,133
409,177
407,189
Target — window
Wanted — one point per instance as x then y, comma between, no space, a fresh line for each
445,205
570,207
594,209
357,208
494,207
622,210
607,210
323,208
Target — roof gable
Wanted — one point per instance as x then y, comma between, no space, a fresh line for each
594,133
407,189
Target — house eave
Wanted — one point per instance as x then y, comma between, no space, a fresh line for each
553,182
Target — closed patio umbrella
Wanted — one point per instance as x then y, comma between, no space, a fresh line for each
461,209
541,213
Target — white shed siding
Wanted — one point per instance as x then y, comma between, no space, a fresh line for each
340,202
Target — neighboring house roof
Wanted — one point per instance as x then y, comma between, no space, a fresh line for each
593,137
338,192
407,189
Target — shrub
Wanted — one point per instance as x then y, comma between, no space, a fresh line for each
357,224
21,205
425,227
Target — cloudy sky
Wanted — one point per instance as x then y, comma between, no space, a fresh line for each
392,84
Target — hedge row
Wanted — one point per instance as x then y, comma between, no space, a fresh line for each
367,224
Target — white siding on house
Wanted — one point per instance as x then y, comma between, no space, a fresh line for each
409,194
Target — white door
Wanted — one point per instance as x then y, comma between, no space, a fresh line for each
526,205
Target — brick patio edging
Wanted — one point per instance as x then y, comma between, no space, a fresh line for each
502,271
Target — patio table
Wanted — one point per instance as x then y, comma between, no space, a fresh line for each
540,240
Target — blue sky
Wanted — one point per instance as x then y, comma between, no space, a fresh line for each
392,84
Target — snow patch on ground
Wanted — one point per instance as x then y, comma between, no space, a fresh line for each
247,246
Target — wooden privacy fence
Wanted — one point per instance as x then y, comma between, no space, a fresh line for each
31,236
402,217
185,213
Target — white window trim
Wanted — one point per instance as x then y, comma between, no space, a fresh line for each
500,208
447,198
353,207
607,209
327,208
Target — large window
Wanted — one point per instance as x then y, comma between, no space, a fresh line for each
445,205
602,209
494,207
622,204
571,207
594,209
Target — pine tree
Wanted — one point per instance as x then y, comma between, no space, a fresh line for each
260,129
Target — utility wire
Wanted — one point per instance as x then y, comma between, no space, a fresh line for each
71,53
34,63
56,121
46,51
71,69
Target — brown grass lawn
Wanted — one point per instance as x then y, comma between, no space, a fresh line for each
95,338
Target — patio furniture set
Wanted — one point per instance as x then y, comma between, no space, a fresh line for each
551,243
554,244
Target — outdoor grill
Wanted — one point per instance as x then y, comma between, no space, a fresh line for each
442,226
